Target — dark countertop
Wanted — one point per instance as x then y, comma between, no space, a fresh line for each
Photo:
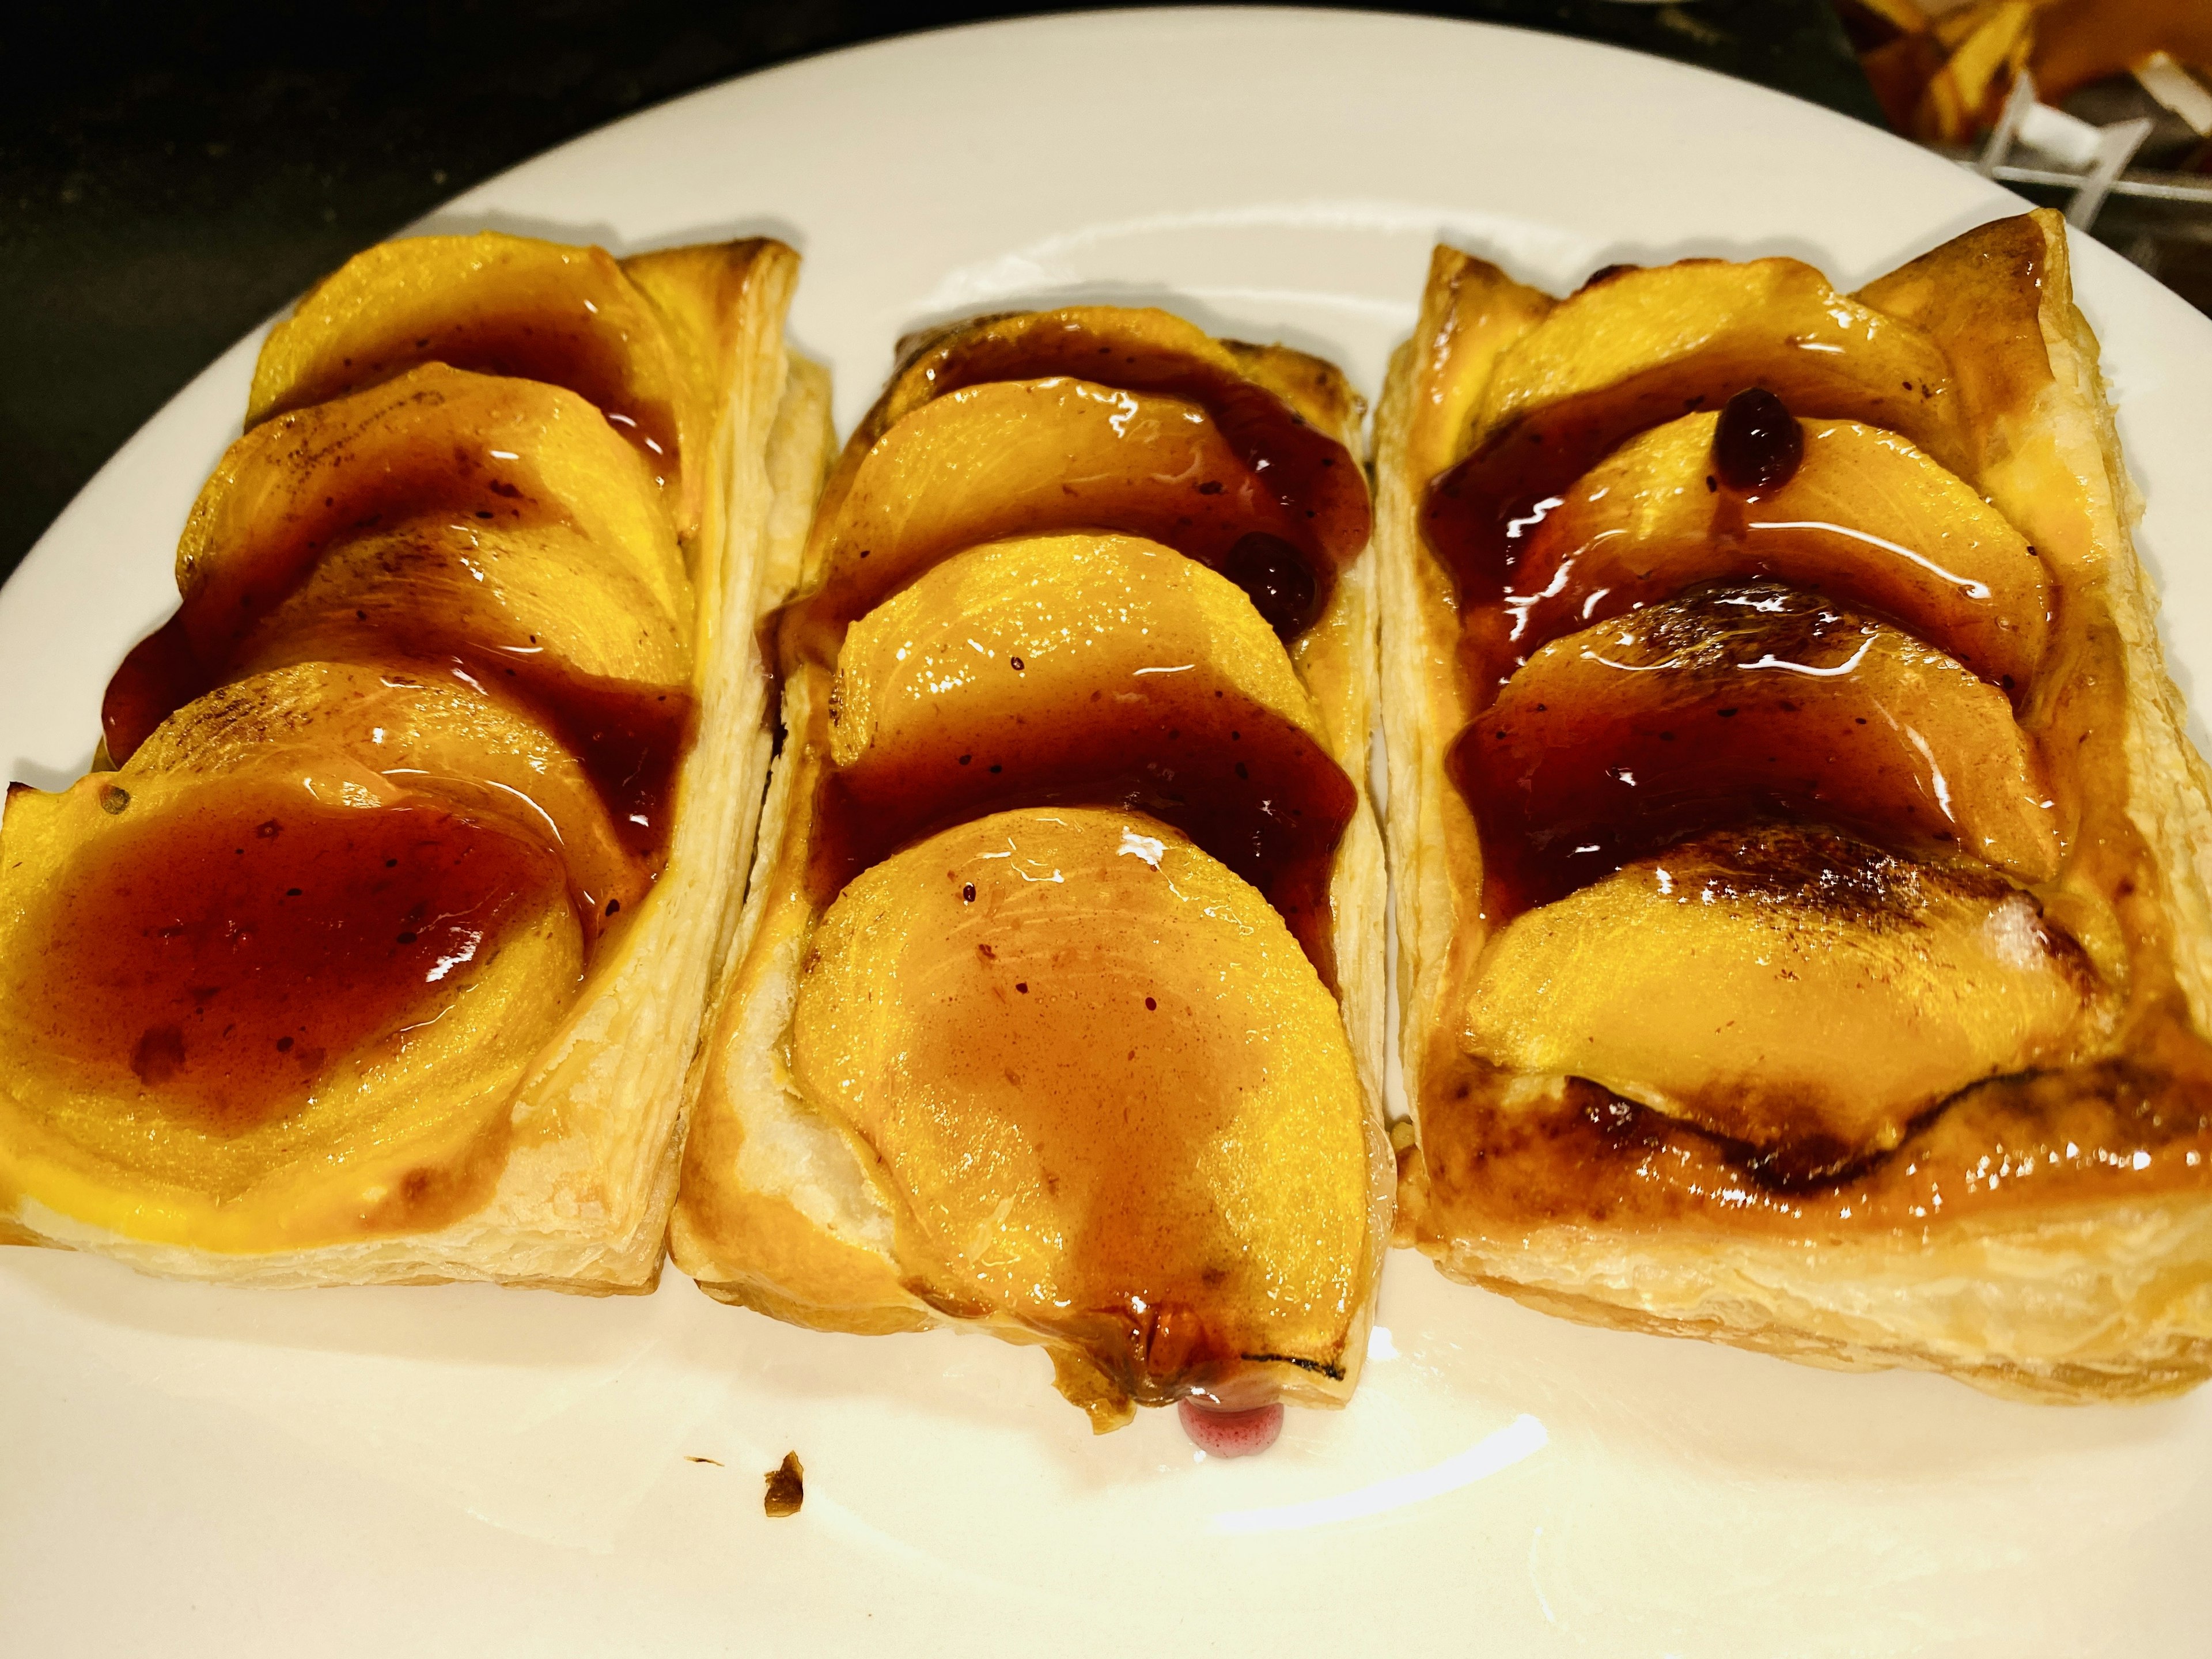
171,176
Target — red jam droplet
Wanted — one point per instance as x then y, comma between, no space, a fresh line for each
1278,579
1757,444
1219,1433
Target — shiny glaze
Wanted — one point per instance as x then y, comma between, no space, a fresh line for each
215,963
1244,784
1735,702
629,737
1004,459
1118,1038
493,305
1925,552
1113,1103
2109,1130
1310,473
563,350
1478,515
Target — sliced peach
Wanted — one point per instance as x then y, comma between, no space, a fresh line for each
541,597
268,1007
1274,407
1867,518
1790,988
1109,1101
436,453
1641,347
498,305
1025,458
1733,701
1084,669
341,725
435,440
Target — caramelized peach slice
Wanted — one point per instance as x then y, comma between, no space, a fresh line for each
1867,518
340,725
1642,347
1084,669
484,451
435,457
1789,989
1025,458
1267,401
1109,1101
544,597
269,1007
498,305
1736,700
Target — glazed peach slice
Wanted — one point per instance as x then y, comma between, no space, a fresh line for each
272,983
1736,700
1084,669
1252,393
1636,349
1024,458
437,452
421,734
1790,988
1108,1102
540,617
1866,518
499,305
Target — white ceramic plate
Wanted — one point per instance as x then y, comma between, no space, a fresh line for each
187,1470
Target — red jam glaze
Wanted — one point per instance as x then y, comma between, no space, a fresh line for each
1248,786
1747,722
220,961
1309,472
628,738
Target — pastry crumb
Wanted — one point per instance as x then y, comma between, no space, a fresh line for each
787,1487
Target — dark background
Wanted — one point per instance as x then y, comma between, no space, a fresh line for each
170,176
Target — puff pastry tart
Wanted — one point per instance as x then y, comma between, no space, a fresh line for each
379,947
1058,1004
1803,879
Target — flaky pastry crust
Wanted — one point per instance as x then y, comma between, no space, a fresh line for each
587,1166
2102,1291
775,1213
